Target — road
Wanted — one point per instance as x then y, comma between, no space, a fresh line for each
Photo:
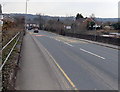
87,66
36,70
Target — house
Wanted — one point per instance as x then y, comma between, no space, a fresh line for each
88,23
82,24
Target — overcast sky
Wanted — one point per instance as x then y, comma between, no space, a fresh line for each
101,8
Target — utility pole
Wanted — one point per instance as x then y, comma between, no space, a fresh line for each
26,15
0,9
26,7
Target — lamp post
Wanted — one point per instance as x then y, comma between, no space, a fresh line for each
26,15
95,26
0,9
26,6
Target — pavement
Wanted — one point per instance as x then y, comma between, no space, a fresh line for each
37,72
83,65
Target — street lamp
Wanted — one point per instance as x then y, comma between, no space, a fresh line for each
26,6
95,26
26,15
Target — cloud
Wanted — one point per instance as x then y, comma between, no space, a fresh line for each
61,0
100,9
119,9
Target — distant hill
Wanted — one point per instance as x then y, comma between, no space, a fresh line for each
107,19
31,16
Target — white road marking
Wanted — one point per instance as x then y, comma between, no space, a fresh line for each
57,40
80,49
59,67
92,53
54,38
68,44
50,37
63,42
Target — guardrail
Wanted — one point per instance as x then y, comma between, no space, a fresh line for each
6,59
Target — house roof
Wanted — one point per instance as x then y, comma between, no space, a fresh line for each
80,20
88,20
83,20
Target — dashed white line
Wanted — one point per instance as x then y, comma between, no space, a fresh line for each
92,53
49,37
80,49
63,42
68,44
57,40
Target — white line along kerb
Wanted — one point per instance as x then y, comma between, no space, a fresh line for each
92,53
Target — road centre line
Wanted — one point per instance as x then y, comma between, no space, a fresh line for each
63,42
82,49
57,40
92,53
68,44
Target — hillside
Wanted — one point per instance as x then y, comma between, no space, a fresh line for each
31,16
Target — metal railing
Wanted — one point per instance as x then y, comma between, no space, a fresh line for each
10,41
6,59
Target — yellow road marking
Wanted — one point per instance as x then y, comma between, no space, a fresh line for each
69,80
65,75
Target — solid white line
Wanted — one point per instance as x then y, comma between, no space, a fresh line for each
68,44
92,53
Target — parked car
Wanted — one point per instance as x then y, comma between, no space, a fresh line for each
36,31
29,28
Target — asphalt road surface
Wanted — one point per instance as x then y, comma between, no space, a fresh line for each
86,66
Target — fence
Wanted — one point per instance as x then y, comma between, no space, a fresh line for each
9,67
4,62
109,40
